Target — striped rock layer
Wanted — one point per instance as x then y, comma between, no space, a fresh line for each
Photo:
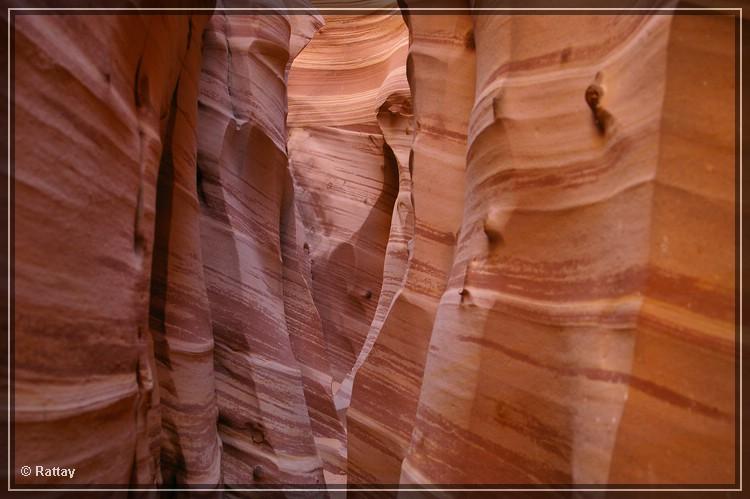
336,87
375,248
349,108
112,342
379,435
594,261
182,289
246,206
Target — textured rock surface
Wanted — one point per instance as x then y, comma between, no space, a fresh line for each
506,258
103,106
441,78
348,172
143,371
345,184
263,418
571,301
687,318
179,309
540,309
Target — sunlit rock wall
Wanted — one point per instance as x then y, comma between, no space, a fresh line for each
678,424
594,268
346,185
349,119
440,71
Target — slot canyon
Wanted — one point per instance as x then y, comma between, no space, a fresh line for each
390,247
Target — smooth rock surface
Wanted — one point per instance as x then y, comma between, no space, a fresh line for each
105,105
242,162
442,97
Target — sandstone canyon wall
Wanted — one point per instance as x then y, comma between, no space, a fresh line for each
382,248
98,119
263,420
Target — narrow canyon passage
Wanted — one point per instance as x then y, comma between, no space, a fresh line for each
389,247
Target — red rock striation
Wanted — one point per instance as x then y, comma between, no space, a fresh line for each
354,66
336,86
112,344
379,436
393,248
582,280
242,163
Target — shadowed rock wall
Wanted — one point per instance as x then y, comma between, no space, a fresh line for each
244,183
104,106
